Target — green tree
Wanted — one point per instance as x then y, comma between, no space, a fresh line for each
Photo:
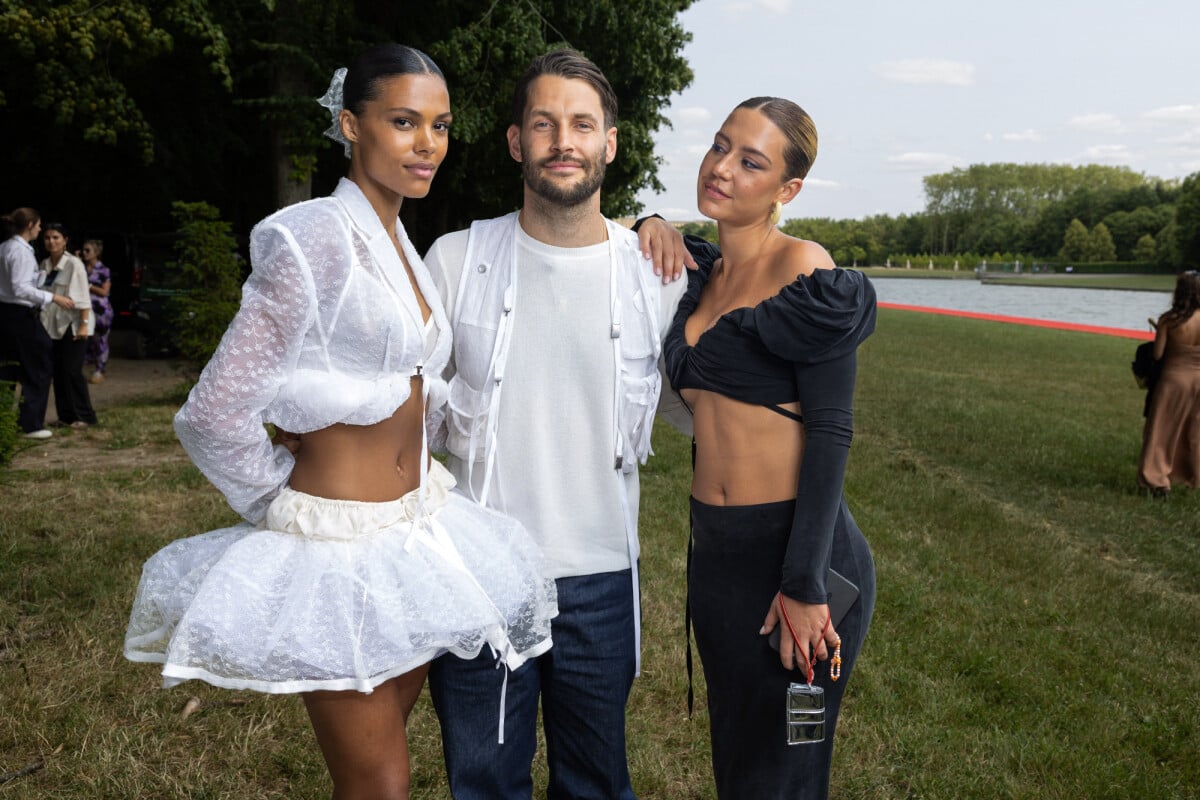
1100,245
705,230
71,62
283,57
483,46
1127,227
208,267
1025,207
1187,221
1146,248
1075,242
1167,245
219,96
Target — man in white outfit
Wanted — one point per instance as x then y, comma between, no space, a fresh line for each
557,320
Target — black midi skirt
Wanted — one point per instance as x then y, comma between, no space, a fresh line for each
735,572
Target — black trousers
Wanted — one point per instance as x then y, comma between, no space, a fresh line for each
25,358
736,569
72,400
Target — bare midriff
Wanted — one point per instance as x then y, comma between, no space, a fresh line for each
370,463
746,454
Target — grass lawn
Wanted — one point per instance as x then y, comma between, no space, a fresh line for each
1036,631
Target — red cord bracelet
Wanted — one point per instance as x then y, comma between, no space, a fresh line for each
835,664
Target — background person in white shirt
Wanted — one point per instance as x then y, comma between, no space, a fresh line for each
24,345
557,321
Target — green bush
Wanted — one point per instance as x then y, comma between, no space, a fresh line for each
8,421
209,268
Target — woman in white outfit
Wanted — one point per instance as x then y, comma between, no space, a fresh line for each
65,275
358,564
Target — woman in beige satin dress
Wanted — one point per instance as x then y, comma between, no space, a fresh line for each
1171,438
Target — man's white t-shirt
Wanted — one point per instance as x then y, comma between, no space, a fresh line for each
554,460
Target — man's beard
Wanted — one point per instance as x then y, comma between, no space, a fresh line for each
565,194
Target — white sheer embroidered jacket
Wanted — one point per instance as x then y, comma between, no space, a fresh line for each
329,331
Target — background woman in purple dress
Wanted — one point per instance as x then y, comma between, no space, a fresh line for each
99,285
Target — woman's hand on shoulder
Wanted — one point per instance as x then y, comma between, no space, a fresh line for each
662,244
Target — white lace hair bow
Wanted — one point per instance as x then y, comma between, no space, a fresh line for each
332,99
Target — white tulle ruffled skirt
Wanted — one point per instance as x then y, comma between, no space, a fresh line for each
343,595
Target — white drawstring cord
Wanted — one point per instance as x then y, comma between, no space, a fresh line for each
433,534
502,662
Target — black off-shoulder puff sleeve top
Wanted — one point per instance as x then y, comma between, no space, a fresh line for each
799,345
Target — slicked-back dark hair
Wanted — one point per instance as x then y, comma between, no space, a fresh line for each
797,126
565,63
378,63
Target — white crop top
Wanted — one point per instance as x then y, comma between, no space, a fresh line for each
329,331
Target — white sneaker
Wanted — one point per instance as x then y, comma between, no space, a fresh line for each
42,434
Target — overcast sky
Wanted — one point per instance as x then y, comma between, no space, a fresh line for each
903,90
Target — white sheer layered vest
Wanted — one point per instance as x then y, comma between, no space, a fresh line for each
329,330
485,307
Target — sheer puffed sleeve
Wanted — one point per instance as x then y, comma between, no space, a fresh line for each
221,425
817,323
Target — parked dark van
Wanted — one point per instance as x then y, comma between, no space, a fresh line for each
142,287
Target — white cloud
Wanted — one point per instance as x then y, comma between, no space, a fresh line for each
683,158
821,183
1027,135
927,71
1096,122
693,115
1189,138
775,6
674,214
1111,153
1181,113
923,162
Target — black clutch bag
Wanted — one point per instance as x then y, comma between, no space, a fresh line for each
1145,368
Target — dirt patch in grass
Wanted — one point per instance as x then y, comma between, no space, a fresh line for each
119,441
129,379
88,452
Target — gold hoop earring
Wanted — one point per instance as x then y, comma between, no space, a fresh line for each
776,212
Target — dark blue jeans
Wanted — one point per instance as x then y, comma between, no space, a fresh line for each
583,682
25,358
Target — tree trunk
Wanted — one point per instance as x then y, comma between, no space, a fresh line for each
288,190
287,81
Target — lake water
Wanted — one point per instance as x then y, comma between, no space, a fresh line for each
1112,308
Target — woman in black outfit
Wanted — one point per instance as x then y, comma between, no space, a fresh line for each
763,350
